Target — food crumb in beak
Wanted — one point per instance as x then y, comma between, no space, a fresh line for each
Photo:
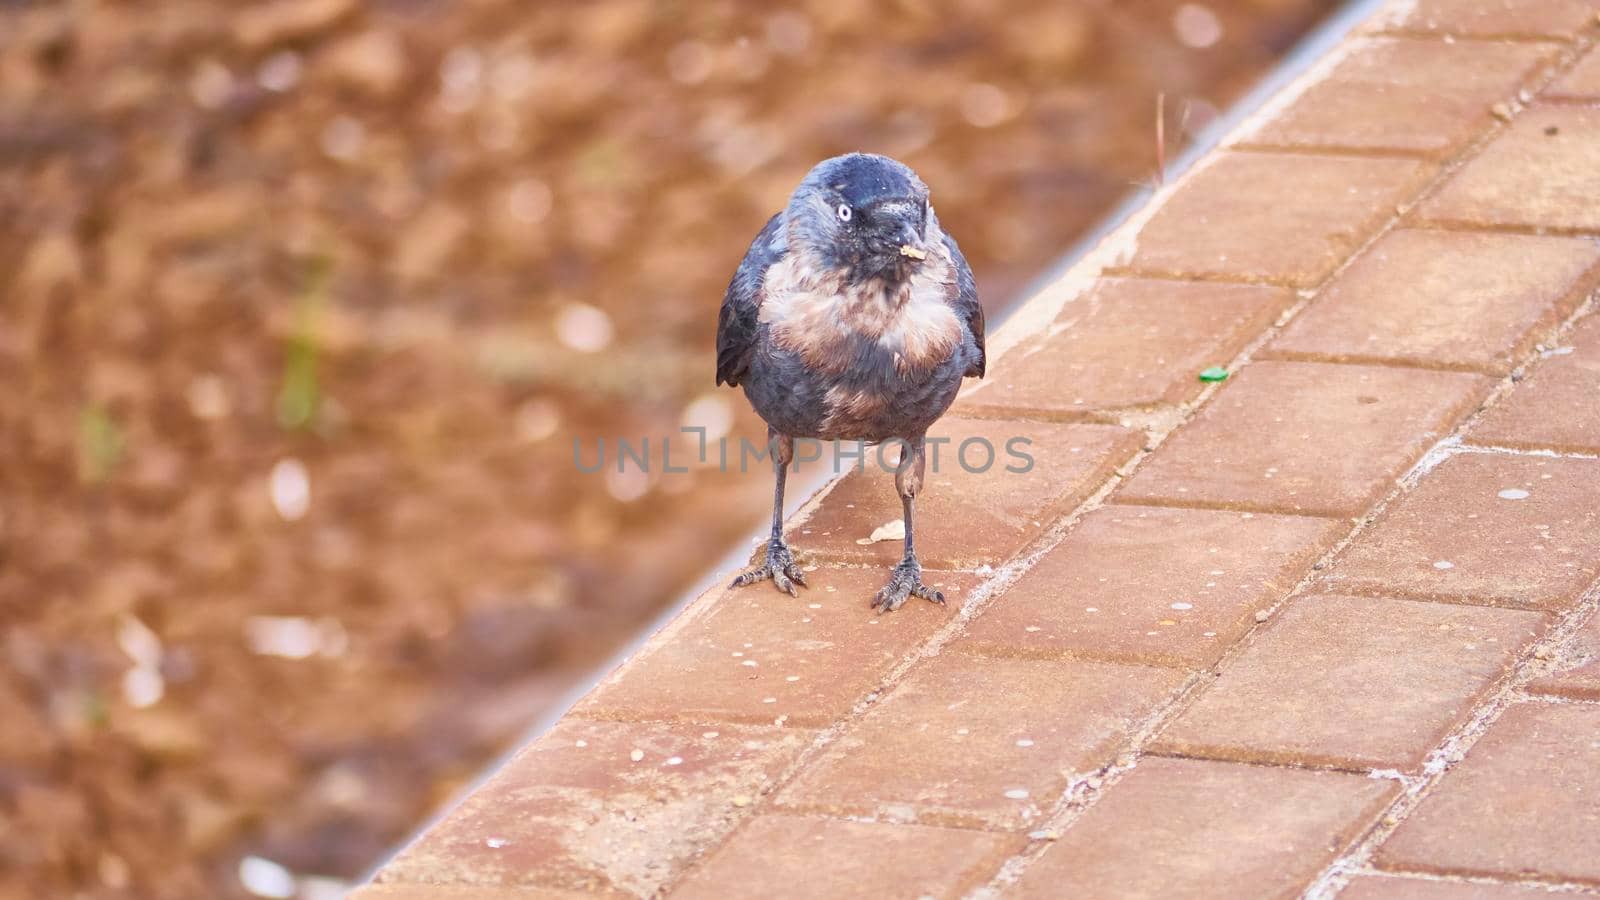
913,252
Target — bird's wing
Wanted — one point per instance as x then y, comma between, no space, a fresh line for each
965,302
741,305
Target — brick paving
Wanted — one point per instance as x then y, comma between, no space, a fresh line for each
1373,887
1405,95
965,517
1330,628
1352,682
1182,828
1471,301
1554,408
1562,19
1130,342
1525,802
1324,439
1279,218
1486,528
835,858
1582,83
1542,173
978,740
1153,585
744,661
1575,669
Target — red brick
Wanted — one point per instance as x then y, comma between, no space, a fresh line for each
1529,176
1308,438
1285,218
793,856
756,655
1454,537
1131,342
1524,803
1180,828
1355,682
1491,18
1582,82
1554,407
575,810
1154,585
944,746
1411,95
966,519
1469,300
1576,668
1378,887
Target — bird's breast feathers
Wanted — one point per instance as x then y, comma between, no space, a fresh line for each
816,314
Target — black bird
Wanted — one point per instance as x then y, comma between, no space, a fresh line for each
853,317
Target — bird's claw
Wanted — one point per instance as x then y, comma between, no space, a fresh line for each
904,583
778,566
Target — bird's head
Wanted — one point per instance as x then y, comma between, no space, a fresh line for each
863,213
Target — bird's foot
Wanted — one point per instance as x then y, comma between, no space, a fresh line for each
779,566
906,582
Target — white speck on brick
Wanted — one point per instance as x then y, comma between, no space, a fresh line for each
1181,605
1024,742
143,686
265,878
1444,564
636,755
1513,494
1017,794
290,486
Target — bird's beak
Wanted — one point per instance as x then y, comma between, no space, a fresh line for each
911,242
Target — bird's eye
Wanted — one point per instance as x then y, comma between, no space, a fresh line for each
845,212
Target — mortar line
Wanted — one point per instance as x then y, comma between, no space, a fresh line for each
1445,37
1550,887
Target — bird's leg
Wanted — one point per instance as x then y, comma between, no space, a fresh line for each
779,564
907,578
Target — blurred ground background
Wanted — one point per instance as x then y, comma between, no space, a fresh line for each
302,304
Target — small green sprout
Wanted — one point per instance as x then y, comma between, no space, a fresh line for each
100,444
300,396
